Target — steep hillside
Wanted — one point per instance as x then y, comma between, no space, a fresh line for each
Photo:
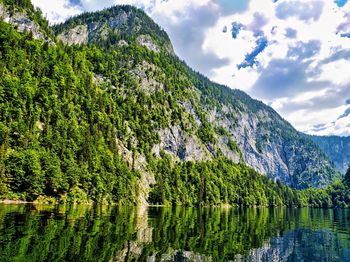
115,116
268,143
337,148
265,141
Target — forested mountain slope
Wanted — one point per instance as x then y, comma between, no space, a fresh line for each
107,112
267,142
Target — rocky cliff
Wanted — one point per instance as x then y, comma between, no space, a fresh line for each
25,19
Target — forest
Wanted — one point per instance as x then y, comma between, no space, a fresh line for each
59,128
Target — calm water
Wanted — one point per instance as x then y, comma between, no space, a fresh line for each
78,233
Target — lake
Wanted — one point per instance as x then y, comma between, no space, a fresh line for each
83,233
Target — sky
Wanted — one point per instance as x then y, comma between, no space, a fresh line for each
294,55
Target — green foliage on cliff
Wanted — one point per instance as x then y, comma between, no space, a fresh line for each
65,110
223,182
34,14
57,127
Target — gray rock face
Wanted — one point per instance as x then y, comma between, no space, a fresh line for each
183,146
144,73
23,23
75,36
245,132
222,144
146,41
265,147
84,33
138,163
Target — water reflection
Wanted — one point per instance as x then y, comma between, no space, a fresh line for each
81,233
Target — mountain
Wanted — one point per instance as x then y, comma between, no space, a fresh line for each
337,148
99,108
267,142
114,26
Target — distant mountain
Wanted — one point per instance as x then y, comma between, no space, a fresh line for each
103,110
337,148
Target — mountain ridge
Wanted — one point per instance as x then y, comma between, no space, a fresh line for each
337,148
111,26
105,108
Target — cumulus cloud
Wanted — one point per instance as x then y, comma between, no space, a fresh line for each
344,28
302,10
259,21
188,36
303,50
285,77
59,10
346,113
187,29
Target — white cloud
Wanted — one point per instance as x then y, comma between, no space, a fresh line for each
338,127
57,11
306,121
320,28
336,72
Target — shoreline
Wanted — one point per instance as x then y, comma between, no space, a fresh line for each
8,201
222,206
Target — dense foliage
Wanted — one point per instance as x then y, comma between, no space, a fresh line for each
57,127
217,182
65,111
222,181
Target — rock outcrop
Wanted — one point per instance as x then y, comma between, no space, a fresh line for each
113,23
23,23
181,145
75,36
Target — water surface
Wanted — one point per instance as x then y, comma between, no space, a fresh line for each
81,233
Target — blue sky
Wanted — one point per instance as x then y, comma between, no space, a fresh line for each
292,54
